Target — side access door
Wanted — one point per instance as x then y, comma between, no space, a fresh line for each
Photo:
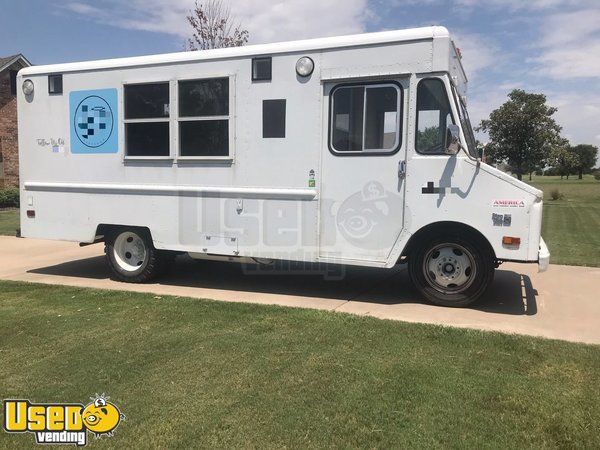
363,169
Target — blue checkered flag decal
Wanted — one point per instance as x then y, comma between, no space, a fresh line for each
91,121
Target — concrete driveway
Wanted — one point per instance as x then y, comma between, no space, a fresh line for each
562,303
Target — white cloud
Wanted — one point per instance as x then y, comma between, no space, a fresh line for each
524,5
579,115
267,21
569,45
478,52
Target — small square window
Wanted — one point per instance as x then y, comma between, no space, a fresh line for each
261,69
274,118
55,84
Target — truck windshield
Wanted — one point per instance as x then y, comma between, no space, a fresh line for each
465,123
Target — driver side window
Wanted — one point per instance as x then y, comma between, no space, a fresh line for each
433,116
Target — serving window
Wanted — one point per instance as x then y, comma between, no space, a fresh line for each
204,117
198,114
147,112
366,119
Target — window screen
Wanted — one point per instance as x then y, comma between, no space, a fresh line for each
273,118
55,84
261,69
433,116
366,118
204,117
147,119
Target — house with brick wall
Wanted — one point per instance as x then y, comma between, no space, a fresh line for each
9,151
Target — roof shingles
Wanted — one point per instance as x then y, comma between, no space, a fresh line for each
6,61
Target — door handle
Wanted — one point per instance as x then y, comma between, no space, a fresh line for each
402,169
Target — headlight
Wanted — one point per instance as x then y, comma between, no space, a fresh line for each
27,87
305,66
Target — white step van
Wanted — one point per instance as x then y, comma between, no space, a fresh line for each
345,150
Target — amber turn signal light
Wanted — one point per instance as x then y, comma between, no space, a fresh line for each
509,240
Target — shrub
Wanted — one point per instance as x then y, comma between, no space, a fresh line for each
597,175
9,198
555,194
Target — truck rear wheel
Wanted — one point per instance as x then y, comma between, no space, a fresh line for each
131,256
451,270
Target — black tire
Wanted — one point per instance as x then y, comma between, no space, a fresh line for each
468,261
135,268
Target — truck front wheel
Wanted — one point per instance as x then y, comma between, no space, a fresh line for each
131,256
451,270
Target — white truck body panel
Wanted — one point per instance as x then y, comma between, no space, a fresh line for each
260,200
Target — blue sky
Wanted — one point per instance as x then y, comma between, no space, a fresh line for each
548,46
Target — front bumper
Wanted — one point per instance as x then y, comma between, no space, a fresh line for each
543,256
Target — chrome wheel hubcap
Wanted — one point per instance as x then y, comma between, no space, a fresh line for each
449,268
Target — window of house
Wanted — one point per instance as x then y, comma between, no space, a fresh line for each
147,119
204,117
433,116
13,82
366,119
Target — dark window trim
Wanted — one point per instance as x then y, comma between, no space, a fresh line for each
441,80
363,153
262,58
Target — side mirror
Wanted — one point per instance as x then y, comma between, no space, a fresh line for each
452,144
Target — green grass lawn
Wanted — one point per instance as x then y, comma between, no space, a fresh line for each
571,226
198,373
9,222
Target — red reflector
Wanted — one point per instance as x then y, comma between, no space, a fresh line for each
31,213
509,240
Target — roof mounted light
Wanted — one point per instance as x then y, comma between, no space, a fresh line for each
305,66
28,87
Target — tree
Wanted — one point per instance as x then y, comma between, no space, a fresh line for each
564,160
522,132
429,138
214,27
587,158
